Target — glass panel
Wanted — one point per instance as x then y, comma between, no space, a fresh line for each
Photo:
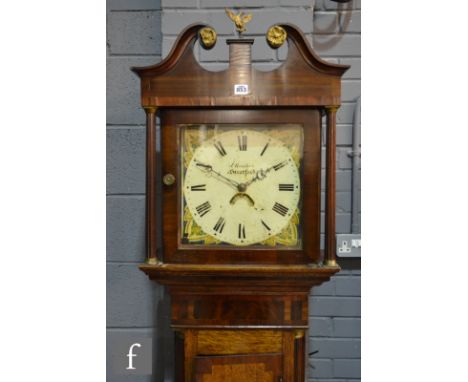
241,185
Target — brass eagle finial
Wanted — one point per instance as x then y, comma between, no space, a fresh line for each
239,20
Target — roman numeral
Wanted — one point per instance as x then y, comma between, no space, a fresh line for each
199,187
265,225
280,165
241,231
242,139
279,208
264,149
220,148
219,226
204,208
286,187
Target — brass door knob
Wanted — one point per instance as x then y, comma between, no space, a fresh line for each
168,179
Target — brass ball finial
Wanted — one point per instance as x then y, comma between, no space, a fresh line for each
208,37
276,36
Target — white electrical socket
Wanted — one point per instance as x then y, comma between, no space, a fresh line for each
348,245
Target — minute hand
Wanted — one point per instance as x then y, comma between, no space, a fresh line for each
261,174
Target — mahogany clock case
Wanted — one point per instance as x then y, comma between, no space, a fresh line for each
244,307
173,252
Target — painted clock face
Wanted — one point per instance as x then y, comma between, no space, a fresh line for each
242,187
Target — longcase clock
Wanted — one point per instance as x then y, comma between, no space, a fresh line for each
239,212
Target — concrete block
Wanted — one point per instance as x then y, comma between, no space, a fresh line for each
120,5
132,300
282,52
335,306
344,134
263,19
325,289
343,180
174,22
354,72
350,22
134,32
220,52
326,23
343,222
350,90
125,235
348,286
336,347
261,51
238,4
343,202
320,327
335,45
344,161
331,5
347,368
319,5
167,44
126,160
166,4
345,113
346,327
296,3
320,368
123,90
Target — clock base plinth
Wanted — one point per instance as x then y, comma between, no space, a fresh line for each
243,320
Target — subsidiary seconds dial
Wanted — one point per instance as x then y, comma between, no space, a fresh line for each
242,187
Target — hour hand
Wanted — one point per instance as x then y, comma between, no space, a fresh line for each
209,169
204,167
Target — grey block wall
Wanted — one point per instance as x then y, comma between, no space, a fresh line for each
135,306
140,32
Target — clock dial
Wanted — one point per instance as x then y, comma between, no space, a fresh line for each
242,186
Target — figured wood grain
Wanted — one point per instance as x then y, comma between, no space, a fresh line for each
288,356
190,351
240,368
238,309
179,81
252,372
239,342
299,358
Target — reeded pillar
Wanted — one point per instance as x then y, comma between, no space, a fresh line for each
151,231
330,196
